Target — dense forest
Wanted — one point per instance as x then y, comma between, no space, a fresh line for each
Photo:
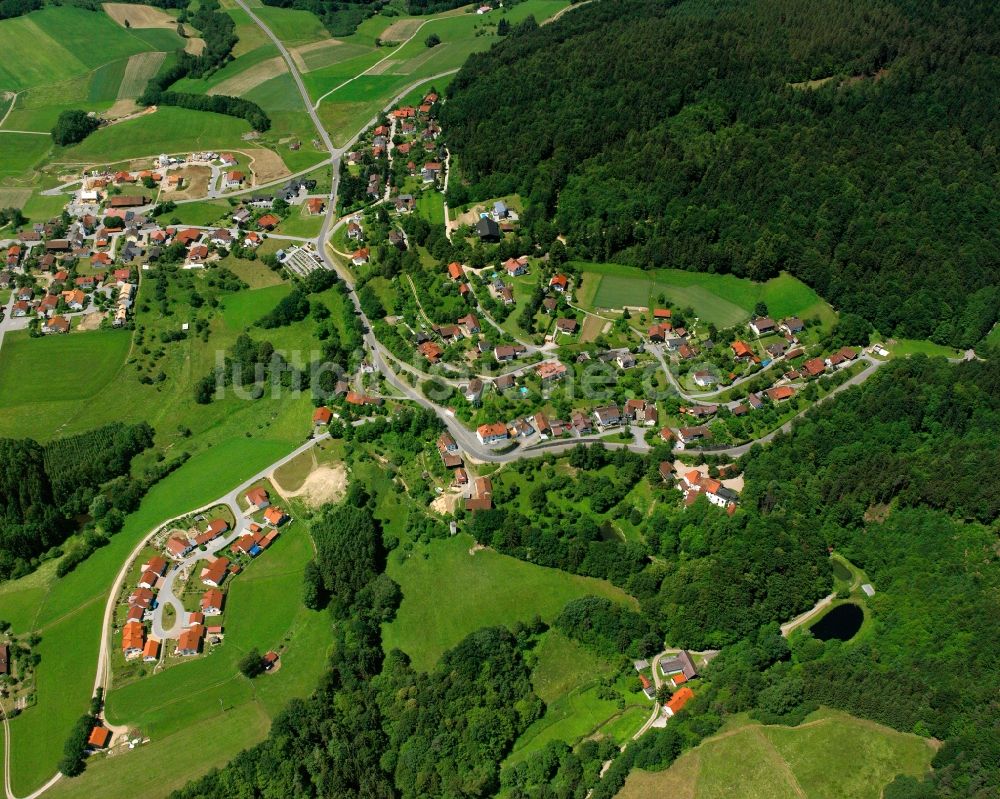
850,142
44,489
15,8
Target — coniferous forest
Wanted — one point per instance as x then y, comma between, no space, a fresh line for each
852,143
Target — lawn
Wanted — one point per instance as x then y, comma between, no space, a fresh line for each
723,300
831,756
200,212
904,347
76,366
483,589
301,223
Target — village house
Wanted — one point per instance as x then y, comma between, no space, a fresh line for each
550,371
814,367
688,435
151,652
700,411
215,573
504,383
741,350
133,639
762,325
189,642
178,546
516,266
431,351
483,498
474,391
57,324
470,324
666,470
275,516
322,415
233,179
508,352
315,206
257,499
640,412
360,256
703,378
559,283
567,326
792,325
607,416
492,433
780,393
212,601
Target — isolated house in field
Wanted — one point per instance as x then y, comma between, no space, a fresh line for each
99,737
322,415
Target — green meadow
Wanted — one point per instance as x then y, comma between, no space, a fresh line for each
169,130
724,300
57,42
482,589
831,756
74,367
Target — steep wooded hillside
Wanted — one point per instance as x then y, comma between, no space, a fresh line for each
850,142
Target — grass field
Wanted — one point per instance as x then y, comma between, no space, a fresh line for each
204,212
56,43
20,152
83,364
566,677
293,27
169,130
482,590
831,756
243,309
723,300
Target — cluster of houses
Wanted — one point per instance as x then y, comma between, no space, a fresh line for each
141,603
675,671
254,540
581,423
57,251
693,484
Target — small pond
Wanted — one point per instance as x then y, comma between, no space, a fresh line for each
842,623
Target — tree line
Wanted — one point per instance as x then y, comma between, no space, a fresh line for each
655,134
